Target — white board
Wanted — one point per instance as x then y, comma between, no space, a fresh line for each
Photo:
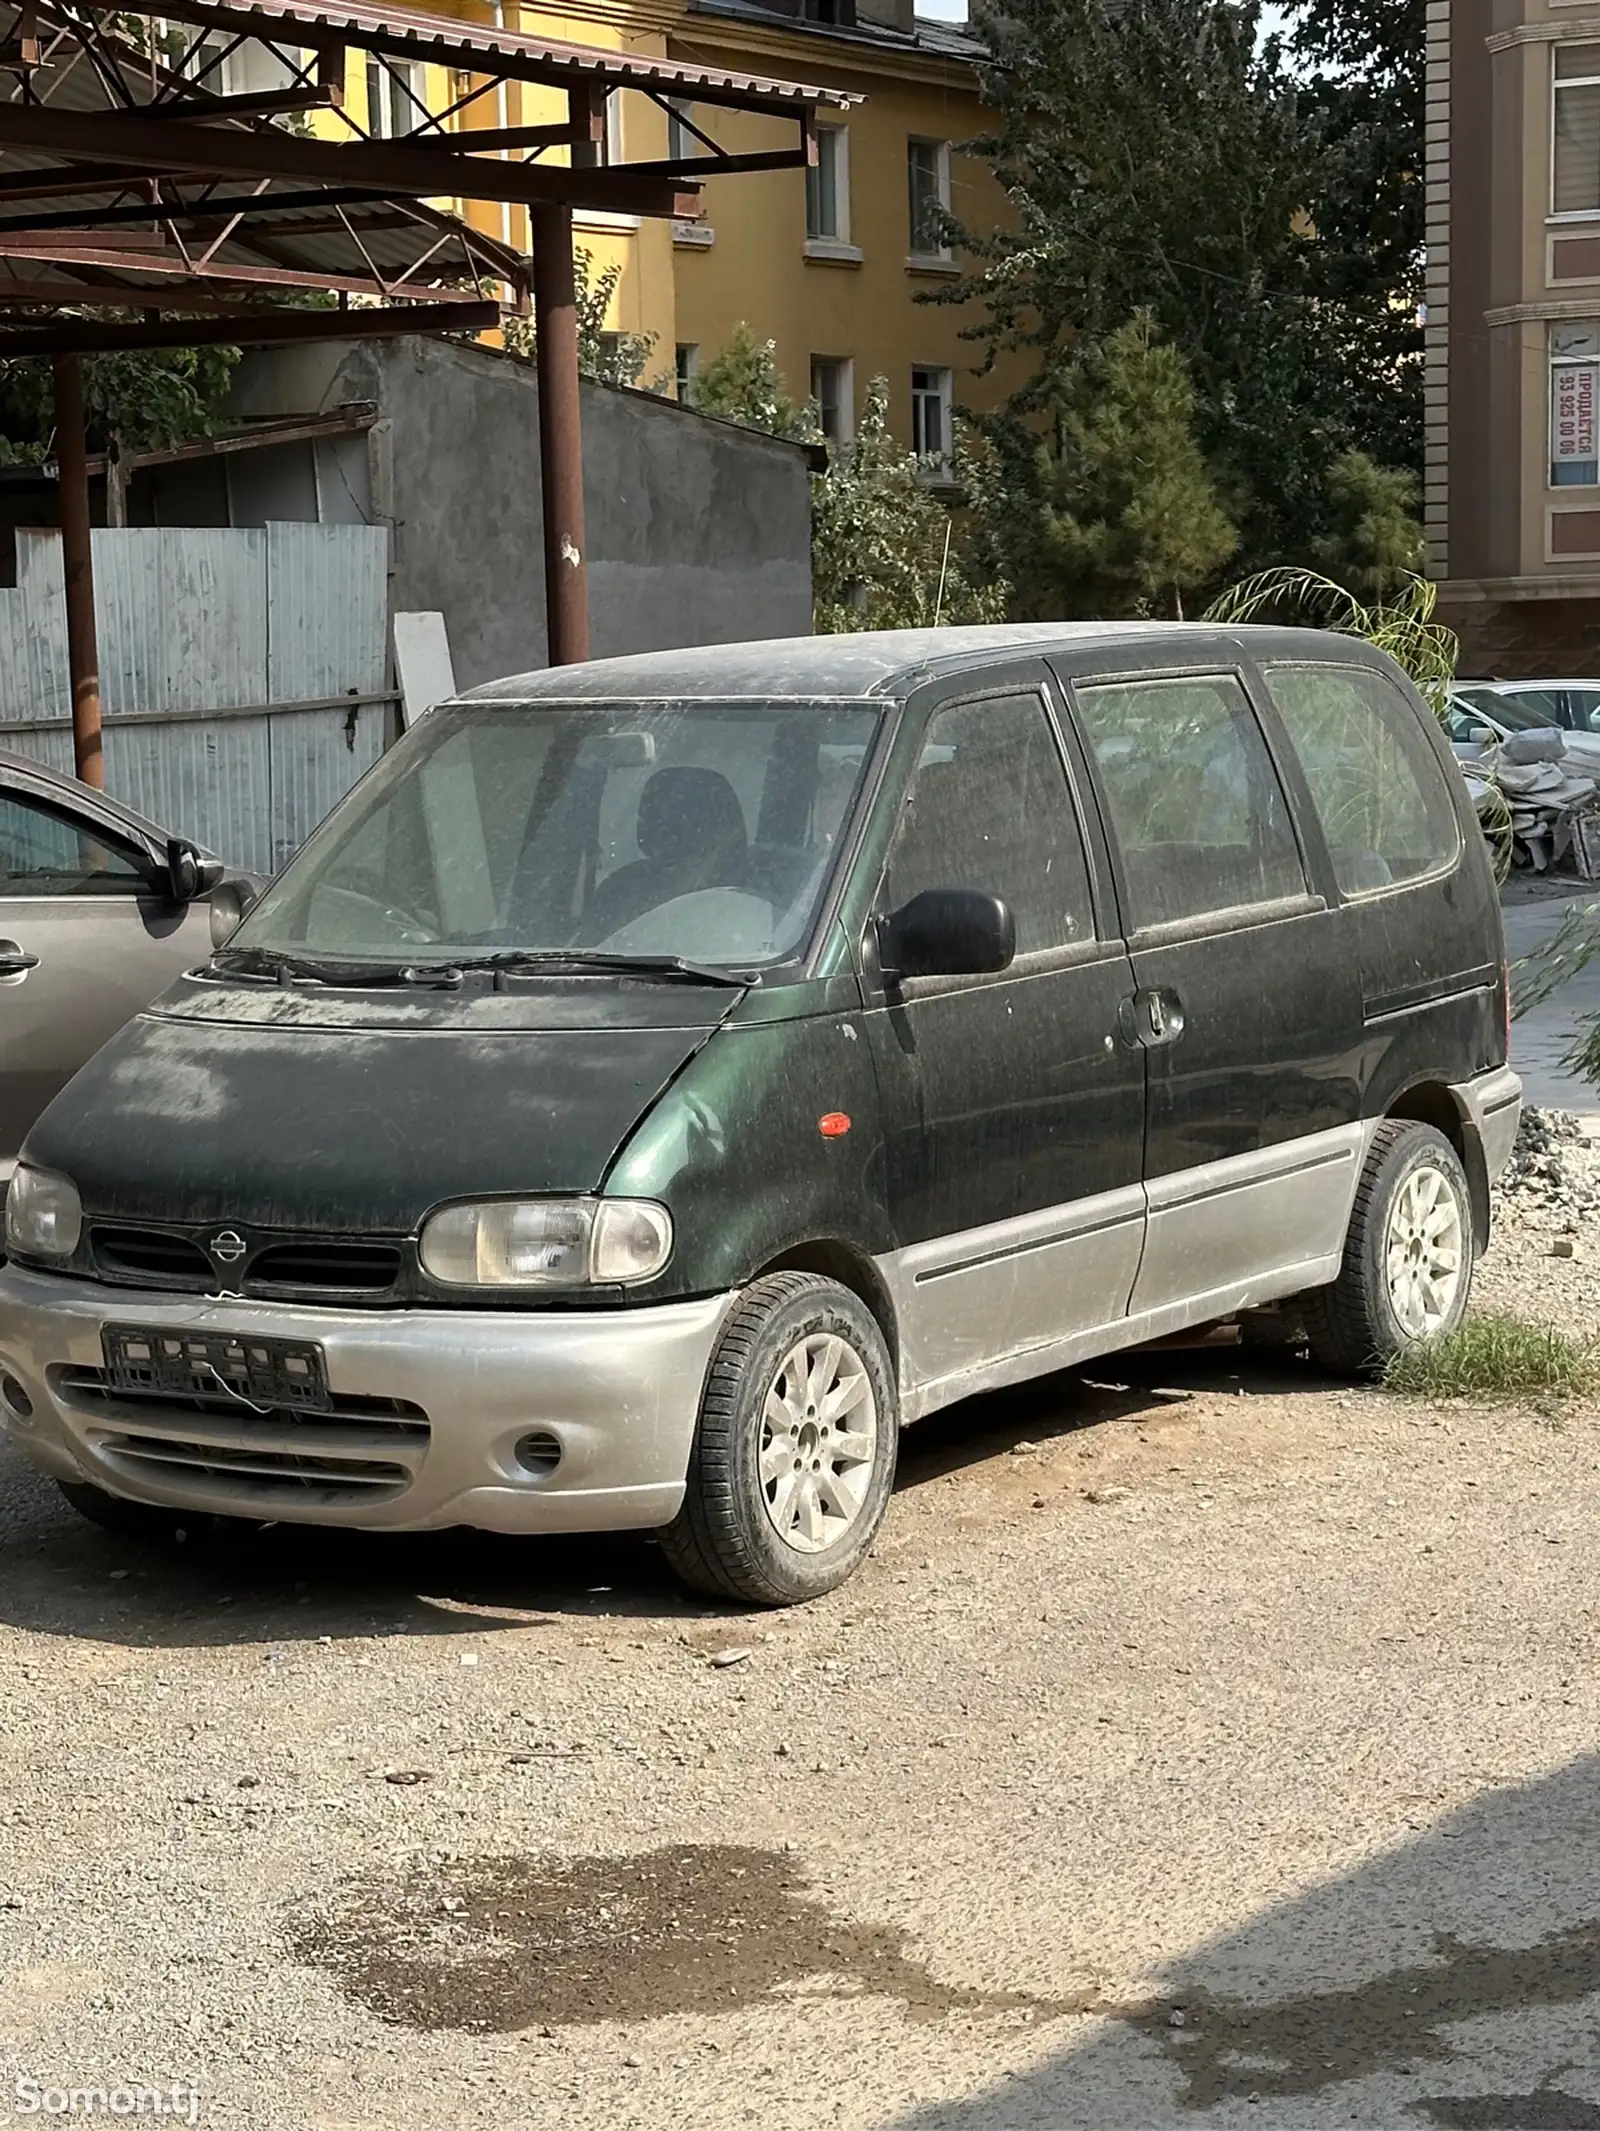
422,661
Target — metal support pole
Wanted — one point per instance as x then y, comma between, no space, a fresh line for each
83,650
555,342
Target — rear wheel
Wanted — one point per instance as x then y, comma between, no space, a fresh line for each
794,1456
1408,1256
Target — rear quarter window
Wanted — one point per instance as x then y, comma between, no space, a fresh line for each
1379,790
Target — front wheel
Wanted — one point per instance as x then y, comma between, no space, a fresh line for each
794,1455
1407,1272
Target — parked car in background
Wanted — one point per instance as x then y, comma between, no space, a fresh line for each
1573,705
662,1078
1482,715
99,911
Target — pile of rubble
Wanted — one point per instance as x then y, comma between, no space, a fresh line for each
1554,1169
1545,784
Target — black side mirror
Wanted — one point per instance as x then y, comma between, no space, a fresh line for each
231,900
948,932
188,874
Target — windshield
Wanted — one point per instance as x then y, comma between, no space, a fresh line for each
689,829
1517,714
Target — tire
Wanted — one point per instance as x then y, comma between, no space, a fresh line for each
1413,1181
146,1521
744,1534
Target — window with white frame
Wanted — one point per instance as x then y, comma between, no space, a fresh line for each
828,188
831,378
396,99
685,367
1575,131
683,143
928,197
1574,391
931,419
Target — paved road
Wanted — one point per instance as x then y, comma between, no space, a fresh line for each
1541,1039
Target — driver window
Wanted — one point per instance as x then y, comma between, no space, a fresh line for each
43,852
990,808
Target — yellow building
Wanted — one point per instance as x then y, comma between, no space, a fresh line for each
828,264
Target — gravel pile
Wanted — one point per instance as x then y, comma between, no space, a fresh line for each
1554,1167
1542,1262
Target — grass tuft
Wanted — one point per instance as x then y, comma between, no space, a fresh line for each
1498,1357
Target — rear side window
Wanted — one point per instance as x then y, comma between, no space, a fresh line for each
1195,800
989,808
1384,805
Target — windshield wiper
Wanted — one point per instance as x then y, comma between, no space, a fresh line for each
268,966
513,960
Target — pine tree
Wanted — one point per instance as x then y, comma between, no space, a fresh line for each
1374,542
1127,519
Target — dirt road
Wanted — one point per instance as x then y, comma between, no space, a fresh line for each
1224,1758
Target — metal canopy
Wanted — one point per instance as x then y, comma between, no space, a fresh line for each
145,203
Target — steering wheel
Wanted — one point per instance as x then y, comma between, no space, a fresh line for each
414,931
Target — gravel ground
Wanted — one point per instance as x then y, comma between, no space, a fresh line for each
1205,1742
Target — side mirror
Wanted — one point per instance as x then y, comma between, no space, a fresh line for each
948,932
231,900
188,874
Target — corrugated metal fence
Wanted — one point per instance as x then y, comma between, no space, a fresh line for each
243,675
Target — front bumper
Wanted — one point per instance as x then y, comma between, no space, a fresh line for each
428,1408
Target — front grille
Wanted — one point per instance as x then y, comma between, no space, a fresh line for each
245,1462
148,1254
347,1268
340,1268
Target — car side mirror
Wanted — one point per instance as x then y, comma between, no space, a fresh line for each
188,874
231,902
948,932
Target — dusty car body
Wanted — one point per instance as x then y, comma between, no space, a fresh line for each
99,911
661,1079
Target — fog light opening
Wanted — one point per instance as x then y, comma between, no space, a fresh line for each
538,1454
16,1398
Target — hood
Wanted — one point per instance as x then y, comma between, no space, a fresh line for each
358,1113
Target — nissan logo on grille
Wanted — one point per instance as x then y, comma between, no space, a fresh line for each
229,1247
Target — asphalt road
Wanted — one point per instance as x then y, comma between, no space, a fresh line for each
1541,1040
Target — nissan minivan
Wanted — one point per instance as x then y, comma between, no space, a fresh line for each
660,1080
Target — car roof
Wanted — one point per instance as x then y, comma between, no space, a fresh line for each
891,662
1512,688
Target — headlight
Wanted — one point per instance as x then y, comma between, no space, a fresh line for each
44,1215
547,1242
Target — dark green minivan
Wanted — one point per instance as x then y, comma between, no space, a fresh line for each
662,1079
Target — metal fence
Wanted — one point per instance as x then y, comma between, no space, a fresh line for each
243,675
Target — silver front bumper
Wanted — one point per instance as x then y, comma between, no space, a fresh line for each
428,1409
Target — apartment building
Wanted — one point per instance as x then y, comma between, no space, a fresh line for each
828,263
1513,338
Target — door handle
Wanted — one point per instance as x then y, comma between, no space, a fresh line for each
13,962
1156,1018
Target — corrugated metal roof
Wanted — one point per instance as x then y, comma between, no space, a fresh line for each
446,39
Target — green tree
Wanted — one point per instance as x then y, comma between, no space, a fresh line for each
1120,515
886,551
143,400
1363,71
742,384
1374,542
1162,155
608,358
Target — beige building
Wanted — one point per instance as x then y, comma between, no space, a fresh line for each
1513,343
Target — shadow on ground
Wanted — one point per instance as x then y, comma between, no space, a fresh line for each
62,1576
1452,1982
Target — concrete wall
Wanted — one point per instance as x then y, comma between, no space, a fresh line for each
697,531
